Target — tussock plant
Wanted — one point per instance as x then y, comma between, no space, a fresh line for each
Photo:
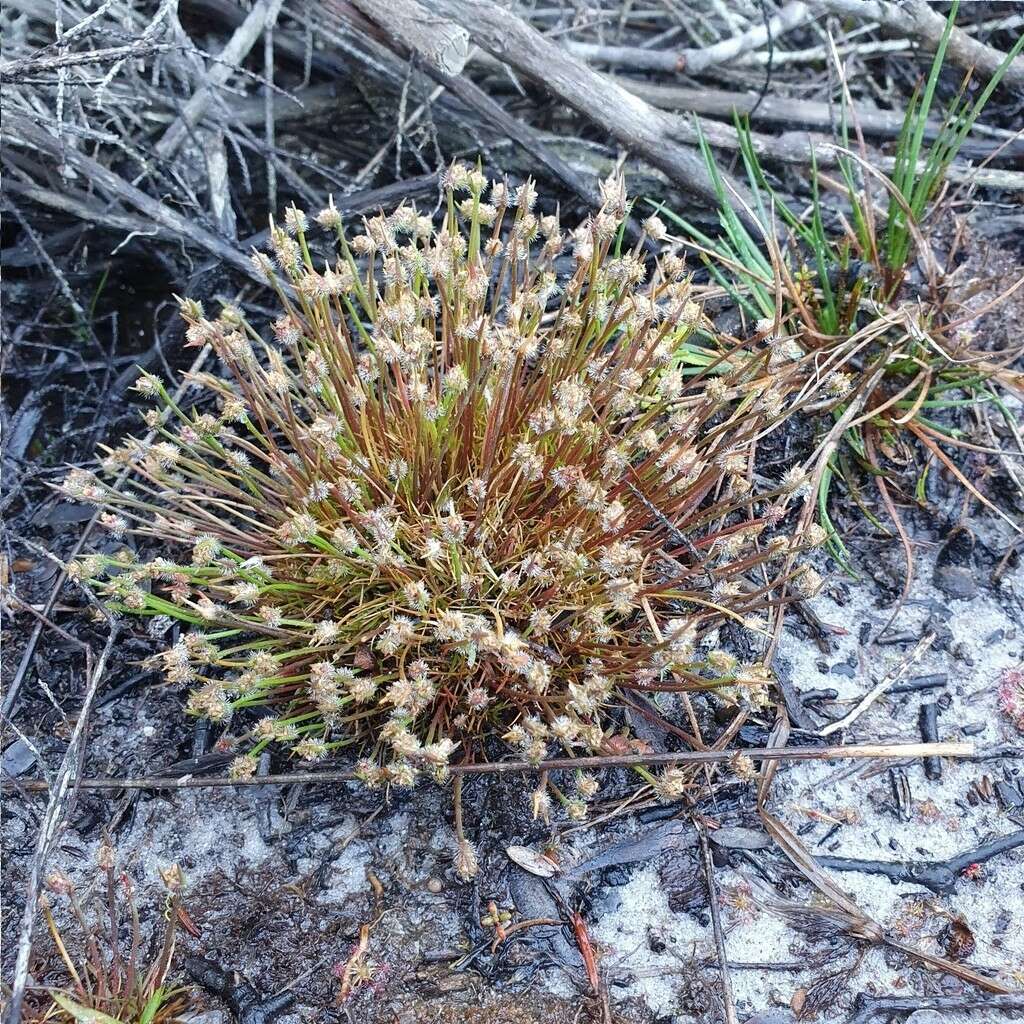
463,493
835,288
108,977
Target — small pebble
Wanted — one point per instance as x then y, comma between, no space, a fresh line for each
926,1017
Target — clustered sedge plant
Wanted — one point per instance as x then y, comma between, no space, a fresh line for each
847,344
106,978
833,275
462,494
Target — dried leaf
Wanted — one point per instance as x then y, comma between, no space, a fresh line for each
958,940
83,1014
530,860
798,1001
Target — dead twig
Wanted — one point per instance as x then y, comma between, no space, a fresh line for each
62,790
869,1007
694,61
118,188
865,751
443,44
716,923
892,676
939,876
652,133
844,914
228,60
917,19
789,113
522,134
25,67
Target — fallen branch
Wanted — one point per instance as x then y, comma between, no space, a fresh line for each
442,43
870,751
790,112
655,135
844,913
716,924
791,147
869,1007
917,19
24,67
939,876
230,58
465,89
694,61
116,187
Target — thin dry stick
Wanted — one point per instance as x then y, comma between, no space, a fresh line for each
403,125
916,19
467,91
24,67
779,110
869,751
695,60
845,910
876,691
268,104
106,180
228,60
716,924
61,280
62,792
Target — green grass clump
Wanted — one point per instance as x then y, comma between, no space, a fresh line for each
832,285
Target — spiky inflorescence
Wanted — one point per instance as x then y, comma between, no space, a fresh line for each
459,494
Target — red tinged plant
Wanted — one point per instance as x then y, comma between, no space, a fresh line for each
105,977
461,493
1010,693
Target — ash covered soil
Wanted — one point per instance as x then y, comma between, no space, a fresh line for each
349,902
283,884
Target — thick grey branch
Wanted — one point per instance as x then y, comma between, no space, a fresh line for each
443,43
917,19
655,135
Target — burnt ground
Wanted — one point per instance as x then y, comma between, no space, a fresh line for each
280,881
282,884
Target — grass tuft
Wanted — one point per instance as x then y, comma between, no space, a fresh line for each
835,285
106,978
459,495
